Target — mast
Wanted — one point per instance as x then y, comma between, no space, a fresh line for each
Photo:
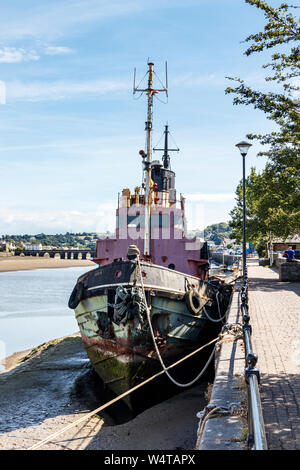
147,159
166,150
148,129
166,158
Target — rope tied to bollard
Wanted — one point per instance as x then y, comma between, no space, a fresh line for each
212,411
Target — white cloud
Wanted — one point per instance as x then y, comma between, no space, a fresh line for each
57,50
203,209
214,197
2,93
102,218
19,220
10,55
44,91
217,79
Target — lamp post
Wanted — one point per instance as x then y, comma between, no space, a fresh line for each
243,148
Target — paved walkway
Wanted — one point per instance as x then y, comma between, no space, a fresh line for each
275,313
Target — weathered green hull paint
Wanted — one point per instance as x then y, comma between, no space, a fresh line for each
92,304
119,376
129,357
173,315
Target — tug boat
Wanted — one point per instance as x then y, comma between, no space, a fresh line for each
149,301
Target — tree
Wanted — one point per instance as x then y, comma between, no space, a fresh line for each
217,232
282,28
273,196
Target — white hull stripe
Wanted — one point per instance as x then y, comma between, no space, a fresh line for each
147,286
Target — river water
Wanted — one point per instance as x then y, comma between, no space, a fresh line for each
34,307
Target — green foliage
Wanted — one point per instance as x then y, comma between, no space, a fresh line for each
282,28
80,240
273,196
272,204
217,232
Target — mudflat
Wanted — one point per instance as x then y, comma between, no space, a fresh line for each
49,387
23,263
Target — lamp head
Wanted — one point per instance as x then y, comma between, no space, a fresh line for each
243,147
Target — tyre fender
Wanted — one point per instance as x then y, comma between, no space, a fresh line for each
193,301
76,296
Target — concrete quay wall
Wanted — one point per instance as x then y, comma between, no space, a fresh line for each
228,432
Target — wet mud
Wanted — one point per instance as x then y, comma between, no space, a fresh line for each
53,385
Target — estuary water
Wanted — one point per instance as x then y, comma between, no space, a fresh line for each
34,307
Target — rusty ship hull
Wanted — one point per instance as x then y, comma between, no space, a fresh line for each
115,331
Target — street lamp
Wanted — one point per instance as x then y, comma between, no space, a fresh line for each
243,148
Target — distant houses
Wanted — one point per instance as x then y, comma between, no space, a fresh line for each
280,244
10,247
33,247
39,247
6,247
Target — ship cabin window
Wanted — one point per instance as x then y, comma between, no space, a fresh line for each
178,222
120,221
135,221
160,220
172,195
138,220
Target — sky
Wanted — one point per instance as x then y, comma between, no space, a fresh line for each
71,130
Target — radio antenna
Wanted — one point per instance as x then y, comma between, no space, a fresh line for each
147,158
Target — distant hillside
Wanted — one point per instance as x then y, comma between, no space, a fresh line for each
80,240
214,232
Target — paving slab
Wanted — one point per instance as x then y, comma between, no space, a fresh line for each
274,308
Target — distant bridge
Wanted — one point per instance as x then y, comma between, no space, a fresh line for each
63,254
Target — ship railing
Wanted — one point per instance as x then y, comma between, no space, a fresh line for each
125,202
256,439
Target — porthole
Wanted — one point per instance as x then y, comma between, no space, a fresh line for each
171,266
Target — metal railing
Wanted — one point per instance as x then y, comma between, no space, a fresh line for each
256,439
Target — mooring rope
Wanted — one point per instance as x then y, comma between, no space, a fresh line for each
211,411
202,424
156,347
221,318
114,400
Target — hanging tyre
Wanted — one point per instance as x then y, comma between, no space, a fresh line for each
193,301
76,296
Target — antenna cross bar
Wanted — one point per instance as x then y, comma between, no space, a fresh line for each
169,150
